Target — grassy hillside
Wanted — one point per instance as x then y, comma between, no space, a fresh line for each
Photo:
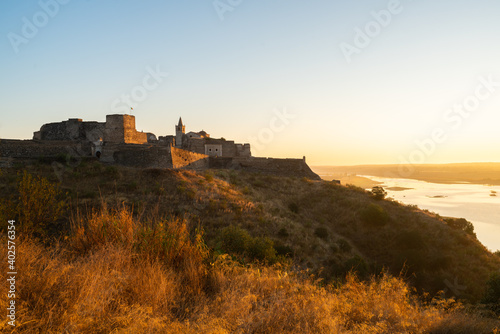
125,228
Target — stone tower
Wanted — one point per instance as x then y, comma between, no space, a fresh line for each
180,130
121,129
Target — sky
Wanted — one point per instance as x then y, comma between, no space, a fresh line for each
340,82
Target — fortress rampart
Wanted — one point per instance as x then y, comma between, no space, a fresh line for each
117,141
34,149
288,167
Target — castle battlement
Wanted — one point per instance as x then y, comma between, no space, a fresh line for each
117,141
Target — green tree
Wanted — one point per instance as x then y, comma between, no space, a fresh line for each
378,192
493,290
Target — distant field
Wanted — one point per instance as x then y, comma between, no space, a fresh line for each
477,173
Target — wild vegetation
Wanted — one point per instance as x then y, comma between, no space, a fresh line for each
126,250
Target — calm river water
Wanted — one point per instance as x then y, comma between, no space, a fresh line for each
479,204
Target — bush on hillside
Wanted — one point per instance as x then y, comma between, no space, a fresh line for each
262,249
40,204
357,265
344,245
294,207
492,295
235,239
374,215
321,232
379,193
461,224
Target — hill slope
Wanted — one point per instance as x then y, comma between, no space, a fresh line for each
327,228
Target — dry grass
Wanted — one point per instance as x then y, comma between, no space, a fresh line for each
288,211
116,274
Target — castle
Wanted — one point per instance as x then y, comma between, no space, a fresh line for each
117,141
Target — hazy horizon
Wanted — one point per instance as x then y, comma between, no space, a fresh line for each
371,82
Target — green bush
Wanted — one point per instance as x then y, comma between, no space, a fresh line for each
40,204
461,224
283,233
262,249
379,193
235,239
294,207
358,265
321,232
282,249
374,215
492,295
344,245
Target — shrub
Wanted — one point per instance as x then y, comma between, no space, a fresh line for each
283,233
344,245
461,224
40,204
358,265
321,232
262,249
378,192
160,239
282,249
209,177
294,207
492,295
235,239
374,215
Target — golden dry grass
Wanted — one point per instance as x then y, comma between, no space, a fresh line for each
115,274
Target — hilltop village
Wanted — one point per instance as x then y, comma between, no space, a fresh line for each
117,141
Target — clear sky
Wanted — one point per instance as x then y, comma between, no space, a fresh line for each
341,82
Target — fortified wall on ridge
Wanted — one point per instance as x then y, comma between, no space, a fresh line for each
117,141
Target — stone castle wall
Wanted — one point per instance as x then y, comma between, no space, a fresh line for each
152,156
72,129
34,149
287,167
185,159
118,142
137,155
229,148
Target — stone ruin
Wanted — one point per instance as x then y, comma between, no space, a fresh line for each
117,141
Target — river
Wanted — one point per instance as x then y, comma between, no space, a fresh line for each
479,204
